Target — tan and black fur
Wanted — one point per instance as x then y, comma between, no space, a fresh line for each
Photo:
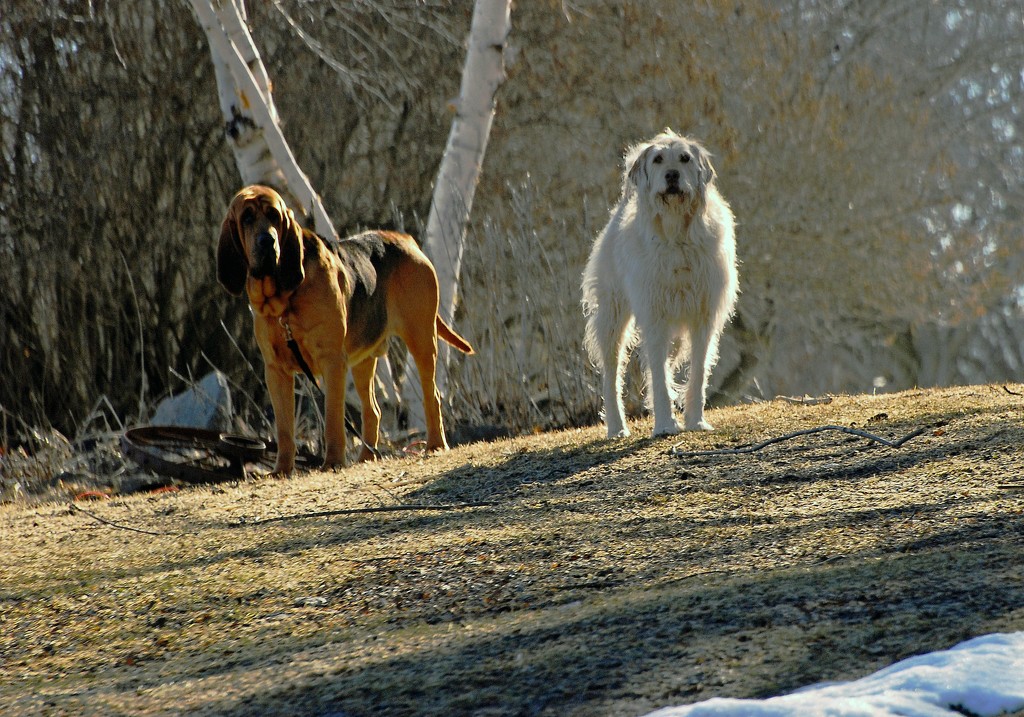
341,301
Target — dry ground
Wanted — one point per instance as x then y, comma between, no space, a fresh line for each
597,578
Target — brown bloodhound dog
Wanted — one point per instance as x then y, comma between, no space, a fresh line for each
341,301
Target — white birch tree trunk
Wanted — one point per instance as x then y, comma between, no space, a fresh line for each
261,152
457,177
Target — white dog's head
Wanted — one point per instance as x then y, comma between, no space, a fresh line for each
670,172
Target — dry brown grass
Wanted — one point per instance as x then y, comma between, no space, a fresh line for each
602,578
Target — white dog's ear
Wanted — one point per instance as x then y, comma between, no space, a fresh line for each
706,173
639,168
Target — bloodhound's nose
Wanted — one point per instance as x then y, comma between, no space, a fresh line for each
265,242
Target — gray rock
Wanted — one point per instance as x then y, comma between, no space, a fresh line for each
207,404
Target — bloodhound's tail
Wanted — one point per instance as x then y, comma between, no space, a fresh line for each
447,333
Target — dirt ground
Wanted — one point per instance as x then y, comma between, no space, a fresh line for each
558,574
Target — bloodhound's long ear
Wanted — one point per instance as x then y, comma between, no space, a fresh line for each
232,265
290,272
637,172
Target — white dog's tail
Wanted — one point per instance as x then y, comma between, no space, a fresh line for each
590,306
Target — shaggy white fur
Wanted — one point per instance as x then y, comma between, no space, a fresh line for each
664,264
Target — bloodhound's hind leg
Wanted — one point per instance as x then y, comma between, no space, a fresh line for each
414,311
423,347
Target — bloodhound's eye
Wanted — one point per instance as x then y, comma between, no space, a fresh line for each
685,158
273,215
248,215
658,159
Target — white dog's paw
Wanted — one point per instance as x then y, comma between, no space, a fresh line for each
669,428
622,432
700,425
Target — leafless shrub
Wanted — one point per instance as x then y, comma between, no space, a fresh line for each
521,309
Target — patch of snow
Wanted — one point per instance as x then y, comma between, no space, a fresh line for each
983,677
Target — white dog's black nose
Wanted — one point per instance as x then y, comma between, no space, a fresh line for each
672,176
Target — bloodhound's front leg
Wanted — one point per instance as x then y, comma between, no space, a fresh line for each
334,414
281,384
362,376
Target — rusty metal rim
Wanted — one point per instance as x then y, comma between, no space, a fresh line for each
198,455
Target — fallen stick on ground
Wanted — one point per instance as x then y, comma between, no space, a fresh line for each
805,400
356,511
796,434
75,509
242,522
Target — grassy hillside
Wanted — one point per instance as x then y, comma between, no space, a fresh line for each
555,574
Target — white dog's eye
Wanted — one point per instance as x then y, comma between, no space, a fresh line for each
685,158
658,159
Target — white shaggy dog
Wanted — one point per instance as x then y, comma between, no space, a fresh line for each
666,265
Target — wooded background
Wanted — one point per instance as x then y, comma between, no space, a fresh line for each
871,151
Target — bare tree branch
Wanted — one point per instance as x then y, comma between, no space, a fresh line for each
789,436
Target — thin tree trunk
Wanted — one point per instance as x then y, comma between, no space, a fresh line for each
457,178
261,151
482,75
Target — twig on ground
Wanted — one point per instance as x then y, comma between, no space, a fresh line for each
796,434
356,511
1012,393
695,574
806,400
75,509
298,516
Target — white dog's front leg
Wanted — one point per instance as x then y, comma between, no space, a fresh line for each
697,383
657,360
614,411
610,328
